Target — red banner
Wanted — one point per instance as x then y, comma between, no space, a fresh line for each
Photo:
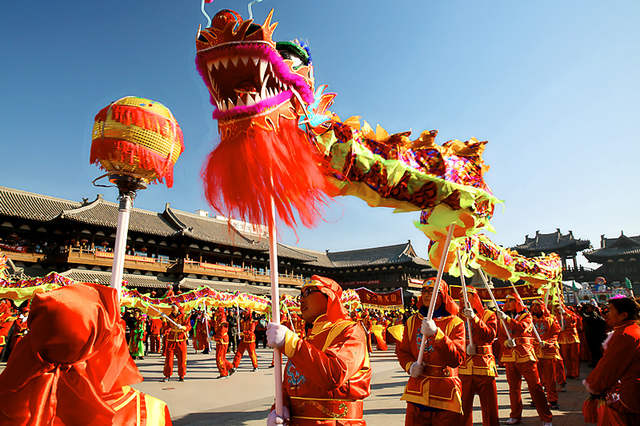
383,300
500,293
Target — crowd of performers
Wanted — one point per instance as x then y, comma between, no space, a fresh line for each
327,375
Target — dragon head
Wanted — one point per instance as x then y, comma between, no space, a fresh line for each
260,90
251,77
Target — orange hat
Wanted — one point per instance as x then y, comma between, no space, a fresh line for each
519,303
73,357
333,291
450,305
474,300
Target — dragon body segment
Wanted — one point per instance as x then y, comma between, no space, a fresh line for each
280,142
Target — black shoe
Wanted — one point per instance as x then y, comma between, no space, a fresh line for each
254,368
554,405
181,379
165,379
231,371
271,366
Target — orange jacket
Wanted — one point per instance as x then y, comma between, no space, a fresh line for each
248,330
548,329
175,334
521,329
570,332
484,331
222,331
439,386
328,371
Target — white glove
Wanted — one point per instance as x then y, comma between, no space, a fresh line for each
415,370
510,343
273,419
471,349
428,327
468,313
276,334
502,315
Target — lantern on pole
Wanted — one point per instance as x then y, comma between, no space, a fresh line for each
136,141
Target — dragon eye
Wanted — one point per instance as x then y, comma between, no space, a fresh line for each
292,52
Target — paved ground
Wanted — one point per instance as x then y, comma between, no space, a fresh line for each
245,397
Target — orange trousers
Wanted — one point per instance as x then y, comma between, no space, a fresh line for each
154,343
528,370
249,347
547,369
571,356
180,350
485,387
561,378
221,359
415,417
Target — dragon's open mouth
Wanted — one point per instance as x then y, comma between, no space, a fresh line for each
249,78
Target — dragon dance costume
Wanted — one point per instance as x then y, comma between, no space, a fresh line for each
520,361
435,396
248,341
78,375
547,351
478,372
176,343
327,375
569,342
221,329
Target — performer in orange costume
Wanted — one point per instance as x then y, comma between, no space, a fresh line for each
155,330
433,392
547,351
569,342
7,318
478,372
79,374
176,343
520,361
248,342
201,335
328,374
221,329
615,381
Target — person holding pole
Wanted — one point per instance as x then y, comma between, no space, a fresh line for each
433,392
221,330
569,341
177,329
519,360
478,372
327,375
547,350
248,342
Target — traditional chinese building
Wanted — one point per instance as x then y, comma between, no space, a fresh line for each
565,245
176,248
619,257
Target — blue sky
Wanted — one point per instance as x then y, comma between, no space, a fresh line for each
553,86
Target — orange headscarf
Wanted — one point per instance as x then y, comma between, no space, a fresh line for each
519,303
73,361
474,300
333,291
449,304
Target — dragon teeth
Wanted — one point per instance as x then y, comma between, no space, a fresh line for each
262,70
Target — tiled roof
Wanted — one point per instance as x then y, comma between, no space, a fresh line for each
614,248
317,258
212,230
193,283
399,253
103,277
104,213
218,231
27,205
551,242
